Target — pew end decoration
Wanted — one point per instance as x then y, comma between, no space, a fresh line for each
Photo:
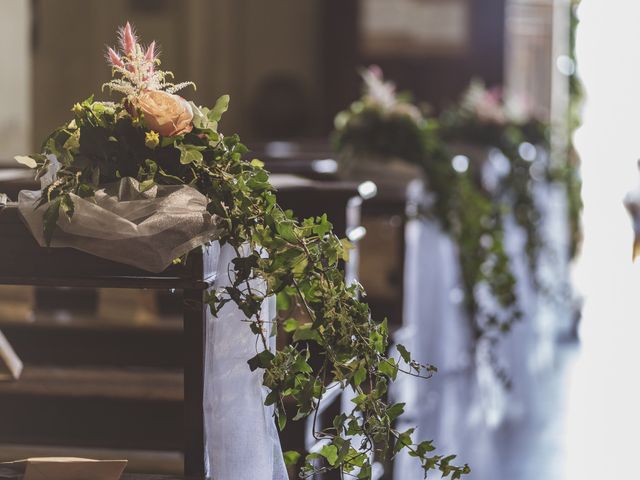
382,124
523,170
519,159
153,142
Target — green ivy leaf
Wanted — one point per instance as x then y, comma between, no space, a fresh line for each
365,472
26,161
282,421
221,106
359,376
50,219
404,440
146,185
291,457
290,325
306,332
323,226
330,452
395,410
189,155
261,360
404,353
389,368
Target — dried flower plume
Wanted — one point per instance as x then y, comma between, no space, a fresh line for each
382,93
135,68
490,105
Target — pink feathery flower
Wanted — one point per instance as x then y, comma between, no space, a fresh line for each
114,58
128,39
494,95
150,54
376,71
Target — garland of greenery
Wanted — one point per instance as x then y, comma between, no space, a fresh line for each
516,190
570,174
108,141
383,125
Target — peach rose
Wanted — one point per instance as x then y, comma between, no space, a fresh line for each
165,113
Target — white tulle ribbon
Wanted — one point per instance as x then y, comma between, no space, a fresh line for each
242,439
146,229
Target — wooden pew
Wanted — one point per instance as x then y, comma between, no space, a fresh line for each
57,401
145,359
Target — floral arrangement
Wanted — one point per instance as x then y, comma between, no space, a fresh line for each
159,138
383,124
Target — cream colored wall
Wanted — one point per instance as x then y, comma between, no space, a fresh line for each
529,45
537,34
15,79
225,46
282,36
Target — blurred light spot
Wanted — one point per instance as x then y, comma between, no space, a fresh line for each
456,295
460,163
566,65
528,151
486,241
325,165
537,171
356,233
499,162
280,149
367,189
395,221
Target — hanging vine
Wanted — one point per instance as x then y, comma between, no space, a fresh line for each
159,138
485,119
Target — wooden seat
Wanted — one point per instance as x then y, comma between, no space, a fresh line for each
74,339
94,408
5,473
23,262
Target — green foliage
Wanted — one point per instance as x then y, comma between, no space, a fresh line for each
298,260
467,211
516,190
570,172
473,218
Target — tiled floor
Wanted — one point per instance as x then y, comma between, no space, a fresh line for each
529,445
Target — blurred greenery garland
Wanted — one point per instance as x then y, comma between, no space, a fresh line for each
384,125
570,174
483,118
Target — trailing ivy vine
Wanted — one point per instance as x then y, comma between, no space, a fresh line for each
298,260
